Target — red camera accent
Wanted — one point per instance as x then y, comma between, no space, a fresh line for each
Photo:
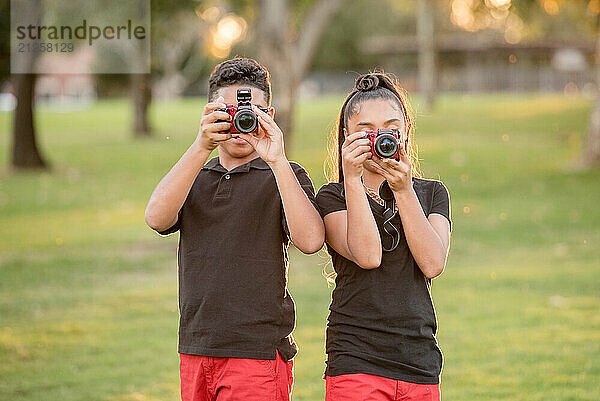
373,135
243,119
232,111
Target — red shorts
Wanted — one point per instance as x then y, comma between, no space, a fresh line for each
364,387
207,378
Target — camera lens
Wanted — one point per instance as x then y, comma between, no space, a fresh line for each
386,146
245,121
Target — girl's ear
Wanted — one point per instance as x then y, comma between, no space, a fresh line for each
345,132
271,112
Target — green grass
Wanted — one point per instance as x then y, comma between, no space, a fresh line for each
88,293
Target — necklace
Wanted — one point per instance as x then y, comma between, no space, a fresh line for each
374,194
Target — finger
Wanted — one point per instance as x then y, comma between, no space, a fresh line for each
401,166
354,158
379,161
363,158
377,167
264,117
395,164
264,120
356,144
210,107
355,136
216,128
351,143
261,113
269,127
391,163
360,150
265,128
405,160
219,103
389,177
350,139
402,152
382,172
382,164
220,137
251,139
215,116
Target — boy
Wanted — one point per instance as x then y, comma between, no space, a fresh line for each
235,215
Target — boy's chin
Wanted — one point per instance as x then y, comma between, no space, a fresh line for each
237,149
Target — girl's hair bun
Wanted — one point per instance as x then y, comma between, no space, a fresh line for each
366,82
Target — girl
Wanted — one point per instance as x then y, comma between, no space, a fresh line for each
388,234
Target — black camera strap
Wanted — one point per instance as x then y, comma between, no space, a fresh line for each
389,212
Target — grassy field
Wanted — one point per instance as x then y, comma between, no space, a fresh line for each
88,296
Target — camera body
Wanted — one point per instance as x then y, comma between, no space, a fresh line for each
243,119
385,143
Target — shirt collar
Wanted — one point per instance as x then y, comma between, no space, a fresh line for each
257,163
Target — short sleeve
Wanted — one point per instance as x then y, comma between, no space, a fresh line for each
441,201
175,226
330,199
306,185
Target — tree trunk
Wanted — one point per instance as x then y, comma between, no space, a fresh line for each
287,61
286,104
426,38
591,153
25,153
141,92
274,48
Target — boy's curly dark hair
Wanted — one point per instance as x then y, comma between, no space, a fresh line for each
239,71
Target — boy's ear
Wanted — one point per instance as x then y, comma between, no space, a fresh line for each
271,112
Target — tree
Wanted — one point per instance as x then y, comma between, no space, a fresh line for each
179,54
426,38
591,152
25,153
288,59
176,33
141,97
141,89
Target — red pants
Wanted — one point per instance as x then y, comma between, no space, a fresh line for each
206,378
364,387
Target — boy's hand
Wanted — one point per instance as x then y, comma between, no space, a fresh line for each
210,132
269,143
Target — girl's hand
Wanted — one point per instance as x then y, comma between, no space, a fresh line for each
355,151
269,143
398,173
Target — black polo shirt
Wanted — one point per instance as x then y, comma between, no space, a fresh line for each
382,321
232,257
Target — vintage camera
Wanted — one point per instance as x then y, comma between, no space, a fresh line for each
385,143
243,119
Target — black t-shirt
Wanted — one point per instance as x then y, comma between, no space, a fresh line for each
382,321
232,257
